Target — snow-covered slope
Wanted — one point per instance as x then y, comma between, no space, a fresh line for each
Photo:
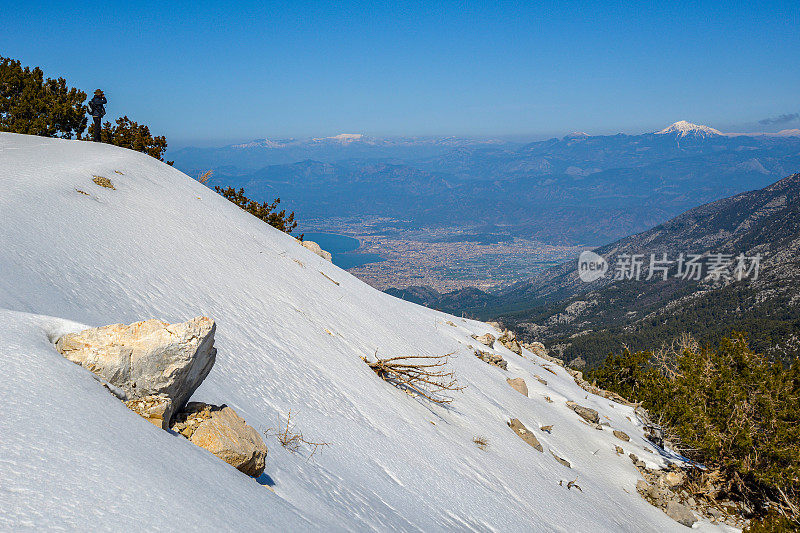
74,254
684,128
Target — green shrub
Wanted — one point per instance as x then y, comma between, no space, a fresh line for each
733,409
772,523
266,212
129,134
35,105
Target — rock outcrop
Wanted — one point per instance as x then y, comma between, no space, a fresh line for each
314,247
577,375
147,359
508,340
224,433
486,339
492,359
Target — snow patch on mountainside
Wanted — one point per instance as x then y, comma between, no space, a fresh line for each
684,128
291,331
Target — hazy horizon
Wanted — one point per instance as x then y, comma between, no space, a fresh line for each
216,74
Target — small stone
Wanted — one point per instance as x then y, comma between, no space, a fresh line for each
525,434
680,513
155,409
638,463
486,339
518,384
588,414
619,450
674,479
621,435
560,460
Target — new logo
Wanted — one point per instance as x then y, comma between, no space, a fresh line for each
591,266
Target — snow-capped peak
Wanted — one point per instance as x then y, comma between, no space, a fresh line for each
684,128
576,135
346,138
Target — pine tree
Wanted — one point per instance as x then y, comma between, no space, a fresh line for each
129,134
35,105
266,212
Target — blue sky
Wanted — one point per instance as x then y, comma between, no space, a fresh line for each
212,72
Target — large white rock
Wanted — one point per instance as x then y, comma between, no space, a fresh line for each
317,249
149,358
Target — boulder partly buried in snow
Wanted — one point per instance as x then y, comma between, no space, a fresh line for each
680,513
149,358
317,249
525,434
587,413
224,433
518,384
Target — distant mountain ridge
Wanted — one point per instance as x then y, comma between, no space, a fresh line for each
591,319
576,190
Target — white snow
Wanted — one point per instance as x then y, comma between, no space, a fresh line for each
684,128
164,246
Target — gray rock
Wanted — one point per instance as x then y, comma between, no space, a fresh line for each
638,463
147,359
225,434
518,384
680,513
525,434
588,414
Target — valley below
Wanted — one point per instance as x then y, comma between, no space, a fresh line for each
444,259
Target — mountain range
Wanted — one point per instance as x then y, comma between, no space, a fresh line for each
579,189
590,319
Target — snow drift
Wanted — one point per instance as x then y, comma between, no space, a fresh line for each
291,331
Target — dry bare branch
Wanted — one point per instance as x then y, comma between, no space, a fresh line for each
293,440
481,441
421,374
